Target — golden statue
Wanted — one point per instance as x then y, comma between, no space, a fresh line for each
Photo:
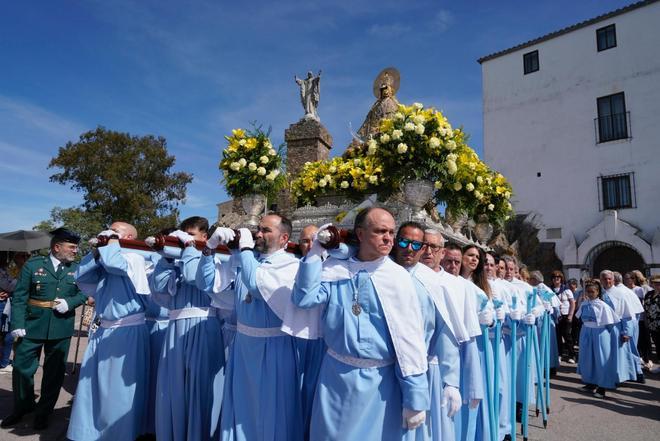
385,87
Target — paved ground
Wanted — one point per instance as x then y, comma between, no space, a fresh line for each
631,413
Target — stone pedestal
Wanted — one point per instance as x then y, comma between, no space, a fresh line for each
307,141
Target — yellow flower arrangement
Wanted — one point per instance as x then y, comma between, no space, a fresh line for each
250,164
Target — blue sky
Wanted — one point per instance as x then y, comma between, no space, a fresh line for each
192,71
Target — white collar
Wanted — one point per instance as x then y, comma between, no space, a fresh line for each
55,261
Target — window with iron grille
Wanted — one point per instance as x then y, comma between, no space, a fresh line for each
617,191
531,62
612,121
606,37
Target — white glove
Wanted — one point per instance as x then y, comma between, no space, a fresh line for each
451,398
109,233
529,319
486,317
500,315
474,403
547,306
61,305
246,240
515,314
220,236
183,237
323,235
412,419
18,333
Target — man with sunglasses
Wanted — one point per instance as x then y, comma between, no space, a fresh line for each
443,352
373,381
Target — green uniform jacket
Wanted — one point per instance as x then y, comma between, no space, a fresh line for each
38,280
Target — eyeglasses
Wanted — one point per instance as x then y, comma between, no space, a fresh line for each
434,247
415,244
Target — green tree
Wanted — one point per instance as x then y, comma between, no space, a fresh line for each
122,177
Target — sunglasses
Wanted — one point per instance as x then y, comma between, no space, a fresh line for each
415,244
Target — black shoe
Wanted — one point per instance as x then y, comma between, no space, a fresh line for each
553,372
640,379
507,437
40,422
518,412
11,420
589,387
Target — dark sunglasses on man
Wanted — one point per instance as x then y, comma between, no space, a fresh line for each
414,244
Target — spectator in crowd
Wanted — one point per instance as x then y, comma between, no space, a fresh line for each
652,310
565,321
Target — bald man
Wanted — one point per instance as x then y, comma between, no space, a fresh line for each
306,238
110,400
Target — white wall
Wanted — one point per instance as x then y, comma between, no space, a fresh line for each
544,122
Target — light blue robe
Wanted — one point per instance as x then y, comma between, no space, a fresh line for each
157,320
191,369
357,404
262,389
110,400
625,358
446,372
598,347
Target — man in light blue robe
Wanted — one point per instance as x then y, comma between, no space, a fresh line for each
373,383
190,373
442,346
157,319
471,386
262,399
110,400
626,308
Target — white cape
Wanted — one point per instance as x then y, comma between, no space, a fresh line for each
605,315
464,305
441,298
403,313
275,281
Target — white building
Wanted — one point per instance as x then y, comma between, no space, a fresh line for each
573,120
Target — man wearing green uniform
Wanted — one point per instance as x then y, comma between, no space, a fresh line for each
43,315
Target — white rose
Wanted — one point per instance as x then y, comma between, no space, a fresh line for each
372,143
276,173
458,186
356,162
419,129
373,179
235,166
491,207
371,150
507,194
264,159
398,115
322,183
451,167
451,145
480,180
243,162
409,127
438,185
241,142
384,138
397,134
268,144
419,119
509,206
328,178
450,133
270,176
252,166
272,152
442,131
469,186
452,157
344,184
478,195
402,148
332,169
261,171
434,142
418,106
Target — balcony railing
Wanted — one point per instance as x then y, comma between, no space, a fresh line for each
612,127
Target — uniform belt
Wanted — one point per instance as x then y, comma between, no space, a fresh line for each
157,320
259,332
42,303
591,325
229,327
129,320
359,362
433,359
184,313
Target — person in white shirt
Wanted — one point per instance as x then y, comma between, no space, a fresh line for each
566,310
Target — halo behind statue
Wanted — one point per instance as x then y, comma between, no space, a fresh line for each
389,76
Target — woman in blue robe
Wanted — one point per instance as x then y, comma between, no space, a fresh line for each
599,341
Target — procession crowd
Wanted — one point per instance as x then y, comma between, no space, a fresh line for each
400,336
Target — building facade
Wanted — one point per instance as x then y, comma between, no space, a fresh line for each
572,119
